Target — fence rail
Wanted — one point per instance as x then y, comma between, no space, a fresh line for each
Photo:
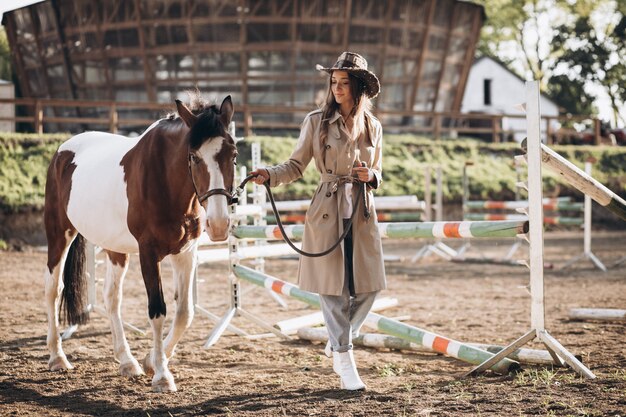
255,117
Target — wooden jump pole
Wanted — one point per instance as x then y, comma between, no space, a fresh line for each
604,314
404,331
582,181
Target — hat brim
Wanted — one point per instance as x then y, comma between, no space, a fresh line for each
372,84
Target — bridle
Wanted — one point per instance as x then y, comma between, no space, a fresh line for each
215,191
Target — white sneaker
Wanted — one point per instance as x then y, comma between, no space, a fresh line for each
328,351
344,366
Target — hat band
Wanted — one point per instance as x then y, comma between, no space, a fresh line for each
344,63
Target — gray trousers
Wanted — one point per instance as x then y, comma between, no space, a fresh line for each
344,314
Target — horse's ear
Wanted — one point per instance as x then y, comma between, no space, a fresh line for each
188,117
226,111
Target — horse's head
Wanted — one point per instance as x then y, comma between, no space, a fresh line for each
212,154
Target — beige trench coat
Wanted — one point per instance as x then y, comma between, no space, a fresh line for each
324,224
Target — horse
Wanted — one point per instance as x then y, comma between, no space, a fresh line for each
152,195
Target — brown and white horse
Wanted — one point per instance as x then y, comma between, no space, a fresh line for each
151,195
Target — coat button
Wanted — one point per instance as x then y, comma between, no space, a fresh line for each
327,146
325,216
328,194
330,171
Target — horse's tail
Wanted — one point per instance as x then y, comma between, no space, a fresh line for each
74,297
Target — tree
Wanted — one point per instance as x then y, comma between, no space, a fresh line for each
596,56
5,57
546,40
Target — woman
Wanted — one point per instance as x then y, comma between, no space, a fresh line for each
346,142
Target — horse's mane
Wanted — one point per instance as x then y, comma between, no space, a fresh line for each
208,124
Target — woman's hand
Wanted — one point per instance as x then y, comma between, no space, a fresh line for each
364,174
260,176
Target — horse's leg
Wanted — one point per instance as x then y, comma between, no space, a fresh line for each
156,361
58,247
117,265
183,265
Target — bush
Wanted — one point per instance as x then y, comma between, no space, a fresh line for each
24,160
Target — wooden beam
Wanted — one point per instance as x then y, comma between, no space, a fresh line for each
444,55
43,65
16,56
469,58
410,103
346,25
382,55
147,71
243,64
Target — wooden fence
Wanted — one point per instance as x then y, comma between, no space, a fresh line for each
42,112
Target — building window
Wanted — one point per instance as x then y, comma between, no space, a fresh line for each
487,92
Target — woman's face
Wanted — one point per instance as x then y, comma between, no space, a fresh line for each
340,86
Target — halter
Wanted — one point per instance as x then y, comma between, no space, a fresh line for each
215,191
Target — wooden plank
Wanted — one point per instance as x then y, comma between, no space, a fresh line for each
602,314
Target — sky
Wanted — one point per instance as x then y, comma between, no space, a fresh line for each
603,103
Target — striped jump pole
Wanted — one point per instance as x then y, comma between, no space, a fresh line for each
582,181
401,202
392,216
383,341
552,204
404,331
465,229
565,221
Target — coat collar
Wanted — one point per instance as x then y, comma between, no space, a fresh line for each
336,116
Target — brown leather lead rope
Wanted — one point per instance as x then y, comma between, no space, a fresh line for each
282,229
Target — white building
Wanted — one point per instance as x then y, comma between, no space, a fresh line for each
494,89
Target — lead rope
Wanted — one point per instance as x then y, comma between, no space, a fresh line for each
282,229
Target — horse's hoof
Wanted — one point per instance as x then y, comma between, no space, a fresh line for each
165,384
60,363
147,365
131,369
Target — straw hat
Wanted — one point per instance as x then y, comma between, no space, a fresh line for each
356,65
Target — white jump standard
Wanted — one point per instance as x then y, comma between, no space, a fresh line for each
535,215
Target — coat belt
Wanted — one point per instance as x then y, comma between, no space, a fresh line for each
337,180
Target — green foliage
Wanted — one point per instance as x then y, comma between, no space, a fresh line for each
564,44
594,56
5,57
570,94
24,160
492,175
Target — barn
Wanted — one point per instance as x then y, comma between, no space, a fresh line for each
262,52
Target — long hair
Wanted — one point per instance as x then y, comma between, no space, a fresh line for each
359,113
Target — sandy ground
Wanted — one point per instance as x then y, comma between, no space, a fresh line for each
267,377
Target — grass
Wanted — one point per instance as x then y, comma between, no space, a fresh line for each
545,377
388,370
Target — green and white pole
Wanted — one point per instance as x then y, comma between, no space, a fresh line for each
465,229
413,334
